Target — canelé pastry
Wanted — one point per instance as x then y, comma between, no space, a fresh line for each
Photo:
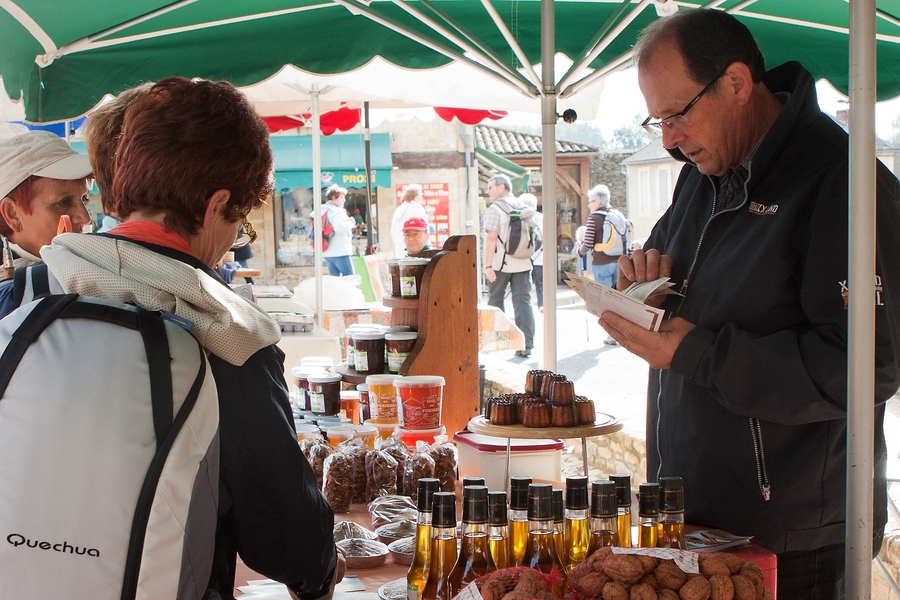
563,415
545,385
487,408
584,411
562,393
534,379
536,414
503,411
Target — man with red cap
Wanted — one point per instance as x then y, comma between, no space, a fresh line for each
415,236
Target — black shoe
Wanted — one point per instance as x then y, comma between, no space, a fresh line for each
524,353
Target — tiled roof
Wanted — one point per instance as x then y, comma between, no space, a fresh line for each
507,142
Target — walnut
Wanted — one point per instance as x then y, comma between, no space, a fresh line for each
744,588
751,571
650,579
615,591
734,563
670,576
625,568
665,594
532,583
493,590
712,564
721,587
591,585
642,591
648,562
697,588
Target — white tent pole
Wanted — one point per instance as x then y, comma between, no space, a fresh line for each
317,198
861,281
548,168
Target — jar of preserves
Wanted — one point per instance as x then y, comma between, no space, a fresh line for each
411,272
399,345
368,352
325,393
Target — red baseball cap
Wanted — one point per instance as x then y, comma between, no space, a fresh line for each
415,224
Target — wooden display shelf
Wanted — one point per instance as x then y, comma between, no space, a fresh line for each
350,375
397,302
603,425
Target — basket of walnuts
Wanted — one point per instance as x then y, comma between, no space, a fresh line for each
609,576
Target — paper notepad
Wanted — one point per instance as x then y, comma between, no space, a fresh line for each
628,304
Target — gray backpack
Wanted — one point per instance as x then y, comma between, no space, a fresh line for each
109,438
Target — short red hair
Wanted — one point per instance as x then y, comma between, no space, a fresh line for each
182,141
22,195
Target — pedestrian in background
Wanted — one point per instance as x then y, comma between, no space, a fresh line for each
337,255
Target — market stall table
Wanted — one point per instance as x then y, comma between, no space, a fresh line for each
371,578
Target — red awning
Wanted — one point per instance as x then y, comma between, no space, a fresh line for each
469,116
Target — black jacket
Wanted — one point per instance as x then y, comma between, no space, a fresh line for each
752,412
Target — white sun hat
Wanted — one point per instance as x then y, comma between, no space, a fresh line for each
38,153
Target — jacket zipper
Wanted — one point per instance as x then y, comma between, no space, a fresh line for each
761,475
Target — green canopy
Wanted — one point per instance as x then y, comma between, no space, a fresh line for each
518,175
64,61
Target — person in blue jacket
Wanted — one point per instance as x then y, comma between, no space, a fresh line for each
747,397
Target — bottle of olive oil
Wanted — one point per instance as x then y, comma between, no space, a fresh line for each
604,516
576,531
671,512
498,534
648,515
623,505
418,569
474,555
443,547
540,551
518,519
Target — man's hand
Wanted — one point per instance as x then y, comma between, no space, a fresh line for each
489,273
643,266
657,348
341,567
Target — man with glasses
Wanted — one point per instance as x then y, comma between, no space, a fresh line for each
748,384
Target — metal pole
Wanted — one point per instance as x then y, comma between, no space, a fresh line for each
548,168
370,233
317,198
861,282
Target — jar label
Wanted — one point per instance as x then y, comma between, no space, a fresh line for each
361,360
317,402
412,591
408,286
395,361
350,355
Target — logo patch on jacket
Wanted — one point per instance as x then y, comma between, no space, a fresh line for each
879,292
761,209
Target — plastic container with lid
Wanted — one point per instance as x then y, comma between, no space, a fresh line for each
399,345
411,436
394,270
326,362
364,414
340,433
303,428
383,398
420,399
368,352
411,271
367,433
325,393
350,405
384,429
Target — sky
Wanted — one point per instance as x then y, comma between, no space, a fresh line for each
621,100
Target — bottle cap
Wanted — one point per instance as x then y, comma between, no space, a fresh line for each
603,499
577,492
540,501
467,481
444,509
648,500
671,494
518,496
623,488
475,504
497,508
427,487
558,512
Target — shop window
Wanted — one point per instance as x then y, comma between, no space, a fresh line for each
293,224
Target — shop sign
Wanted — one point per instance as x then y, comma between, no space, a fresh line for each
536,179
436,200
356,180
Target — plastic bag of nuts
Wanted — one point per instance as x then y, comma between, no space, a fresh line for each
338,484
318,451
444,455
396,448
357,452
381,474
419,465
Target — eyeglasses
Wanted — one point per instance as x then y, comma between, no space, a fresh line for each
249,236
678,121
